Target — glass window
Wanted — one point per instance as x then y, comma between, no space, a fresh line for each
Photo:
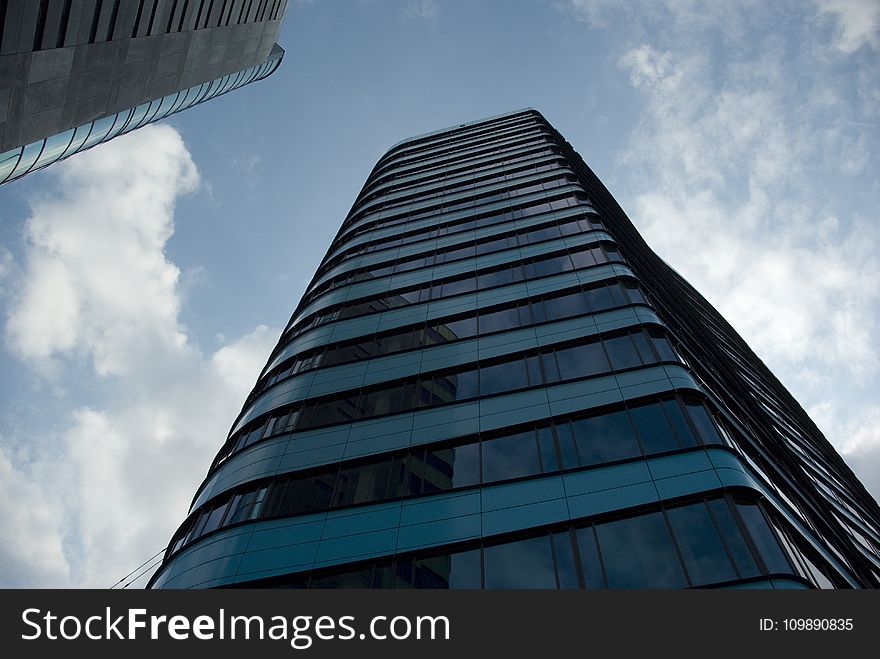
499,320
55,147
460,286
372,403
362,578
702,421
521,564
661,345
510,457
506,376
705,558
360,484
643,347
679,423
566,446
733,538
617,294
653,428
457,466
29,155
764,537
545,233
458,570
599,299
581,361
547,449
400,341
622,352
99,131
8,161
634,292
605,438
551,266
302,494
566,570
583,258
592,567
565,306
497,278
638,552
464,252
215,517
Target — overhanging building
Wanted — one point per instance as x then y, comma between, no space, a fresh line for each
493,382
76,73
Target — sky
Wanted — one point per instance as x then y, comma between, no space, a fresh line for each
144,283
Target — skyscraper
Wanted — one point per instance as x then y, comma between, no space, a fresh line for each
493,382
75,73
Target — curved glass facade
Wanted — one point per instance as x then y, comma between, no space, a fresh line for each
492,382
42,153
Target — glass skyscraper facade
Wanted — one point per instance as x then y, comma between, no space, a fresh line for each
76,73
493,382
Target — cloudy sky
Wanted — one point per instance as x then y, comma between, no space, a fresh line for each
143,284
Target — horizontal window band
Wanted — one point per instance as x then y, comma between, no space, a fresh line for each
393,319
584,358
617,434
584,252
510,318
491,244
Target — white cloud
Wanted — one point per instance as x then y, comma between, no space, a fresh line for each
424,10
857,23
737,174
96,275
97,304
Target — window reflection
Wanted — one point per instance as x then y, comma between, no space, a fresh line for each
639,551
545,447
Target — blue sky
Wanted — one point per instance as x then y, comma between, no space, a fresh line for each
143,284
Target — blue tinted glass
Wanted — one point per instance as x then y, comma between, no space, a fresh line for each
605,438
78,140
599,299
639,553
581,361
679,423
661,345
764,537
55,147
565,306
459,570
506,376
462,462
99,131
505,564
499,320
165,107
547,449
8,160
510,457
622,352
464,569
566,570
458,329
733,538
592,568
466,384
137,117
29,156
702,421
360,484
705,558
653,428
